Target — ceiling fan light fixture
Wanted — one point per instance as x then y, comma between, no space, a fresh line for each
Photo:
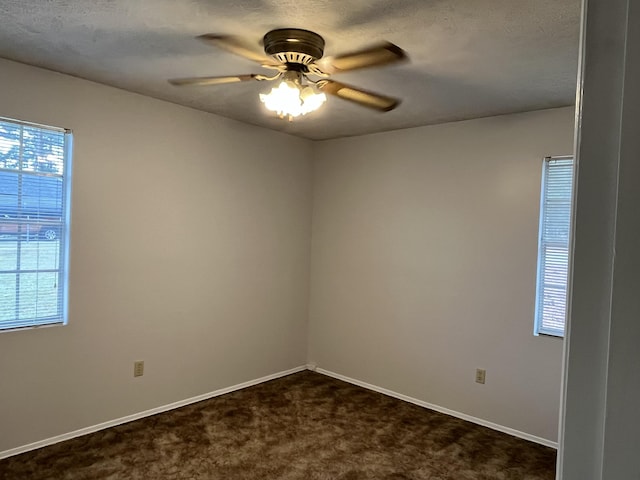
297,54
312,100
290,99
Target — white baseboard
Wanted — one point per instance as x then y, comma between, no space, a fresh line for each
146,413
437,408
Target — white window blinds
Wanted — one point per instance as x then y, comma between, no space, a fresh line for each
553,246
34,218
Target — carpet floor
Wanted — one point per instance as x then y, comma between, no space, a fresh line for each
303,426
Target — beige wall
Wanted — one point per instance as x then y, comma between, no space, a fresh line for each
423,265
191,246
190,250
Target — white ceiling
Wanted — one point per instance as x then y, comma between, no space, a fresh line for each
469,58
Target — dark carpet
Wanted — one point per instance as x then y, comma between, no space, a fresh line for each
304,426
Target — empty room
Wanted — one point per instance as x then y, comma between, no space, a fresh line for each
328,240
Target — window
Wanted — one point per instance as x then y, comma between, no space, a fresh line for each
553,245
35,163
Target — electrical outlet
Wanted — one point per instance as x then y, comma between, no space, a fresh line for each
481,374
138,368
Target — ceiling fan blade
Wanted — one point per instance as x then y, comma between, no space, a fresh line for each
378,55
237,46
211,80
359,96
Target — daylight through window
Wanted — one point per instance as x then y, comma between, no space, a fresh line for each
34,198
553,246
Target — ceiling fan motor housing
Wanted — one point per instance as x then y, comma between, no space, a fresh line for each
294,45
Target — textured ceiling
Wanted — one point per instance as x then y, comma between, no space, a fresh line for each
469,58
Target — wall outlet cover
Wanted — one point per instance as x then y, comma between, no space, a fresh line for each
138,368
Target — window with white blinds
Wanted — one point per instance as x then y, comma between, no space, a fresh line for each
35,162
553,245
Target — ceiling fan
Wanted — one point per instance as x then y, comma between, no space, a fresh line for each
296,55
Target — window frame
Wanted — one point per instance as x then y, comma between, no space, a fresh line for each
65,226
538,328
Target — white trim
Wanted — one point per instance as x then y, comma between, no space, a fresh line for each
146,413
430,406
